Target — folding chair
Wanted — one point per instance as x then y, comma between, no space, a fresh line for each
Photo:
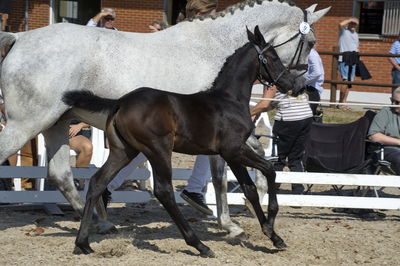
338,148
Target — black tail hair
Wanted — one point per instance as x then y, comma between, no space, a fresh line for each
88,101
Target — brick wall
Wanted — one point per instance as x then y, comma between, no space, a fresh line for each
38,12
327,33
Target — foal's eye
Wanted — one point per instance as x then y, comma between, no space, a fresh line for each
311,44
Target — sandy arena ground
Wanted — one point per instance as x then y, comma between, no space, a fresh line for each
147,236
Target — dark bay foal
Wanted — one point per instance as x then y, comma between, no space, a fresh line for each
216,121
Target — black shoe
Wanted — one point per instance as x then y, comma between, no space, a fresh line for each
297,189
196,200
106,196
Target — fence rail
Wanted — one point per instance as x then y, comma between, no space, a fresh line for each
334,81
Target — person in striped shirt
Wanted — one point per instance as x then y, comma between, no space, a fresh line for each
395,62
292,124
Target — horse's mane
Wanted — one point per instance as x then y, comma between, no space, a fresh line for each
232,8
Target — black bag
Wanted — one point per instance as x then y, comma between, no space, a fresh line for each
362,71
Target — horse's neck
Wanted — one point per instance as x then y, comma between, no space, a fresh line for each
228,33
236,78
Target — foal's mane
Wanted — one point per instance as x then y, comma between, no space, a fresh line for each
220,79
231,9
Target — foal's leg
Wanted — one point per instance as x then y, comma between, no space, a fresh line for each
161,163
218,173
247,157
117,159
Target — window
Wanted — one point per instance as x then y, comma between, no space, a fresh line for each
74,11
69,9
379,17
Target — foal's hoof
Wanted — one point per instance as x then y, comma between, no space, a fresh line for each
280,244
105,227
207,254
85,249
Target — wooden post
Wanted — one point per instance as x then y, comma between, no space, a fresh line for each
334,74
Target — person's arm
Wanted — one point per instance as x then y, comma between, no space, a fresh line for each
394,63
263,105
315,69
74,129
343,24
384,140
96,19
392,60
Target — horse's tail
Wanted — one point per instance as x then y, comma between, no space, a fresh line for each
90,102
7,38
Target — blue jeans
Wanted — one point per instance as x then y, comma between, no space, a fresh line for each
395,78
344,71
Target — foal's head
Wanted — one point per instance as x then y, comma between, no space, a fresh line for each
271,70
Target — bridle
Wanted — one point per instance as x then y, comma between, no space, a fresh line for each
304,29
263,63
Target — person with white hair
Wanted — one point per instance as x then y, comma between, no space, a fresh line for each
104,19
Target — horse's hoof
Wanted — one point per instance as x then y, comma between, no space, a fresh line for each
105,227
234,231
280,244
207,254
237,235
85,249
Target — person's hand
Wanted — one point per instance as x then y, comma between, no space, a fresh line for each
272,89
74,129
105,13
355,20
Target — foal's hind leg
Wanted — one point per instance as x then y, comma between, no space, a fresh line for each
218,173
117,159
160,161
247,157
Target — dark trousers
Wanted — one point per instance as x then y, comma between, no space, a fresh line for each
395,78
313,95
392,155
292,136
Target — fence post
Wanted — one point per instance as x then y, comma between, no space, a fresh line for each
334,75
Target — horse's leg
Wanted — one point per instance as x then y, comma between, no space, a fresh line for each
118,158
260,180
13,137
249,158
160,160
60,174
218,173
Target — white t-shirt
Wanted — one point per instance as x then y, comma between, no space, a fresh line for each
348,42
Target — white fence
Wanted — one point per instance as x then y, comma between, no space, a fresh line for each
101,153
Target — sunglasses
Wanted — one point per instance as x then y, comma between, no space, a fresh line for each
395,102
109,18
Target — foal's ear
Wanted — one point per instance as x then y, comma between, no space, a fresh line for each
250,35
259,37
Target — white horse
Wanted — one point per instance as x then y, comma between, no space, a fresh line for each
44,63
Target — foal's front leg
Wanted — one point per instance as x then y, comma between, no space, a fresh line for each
164,192
218,173
247,157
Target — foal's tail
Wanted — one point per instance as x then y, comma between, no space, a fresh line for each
90,102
